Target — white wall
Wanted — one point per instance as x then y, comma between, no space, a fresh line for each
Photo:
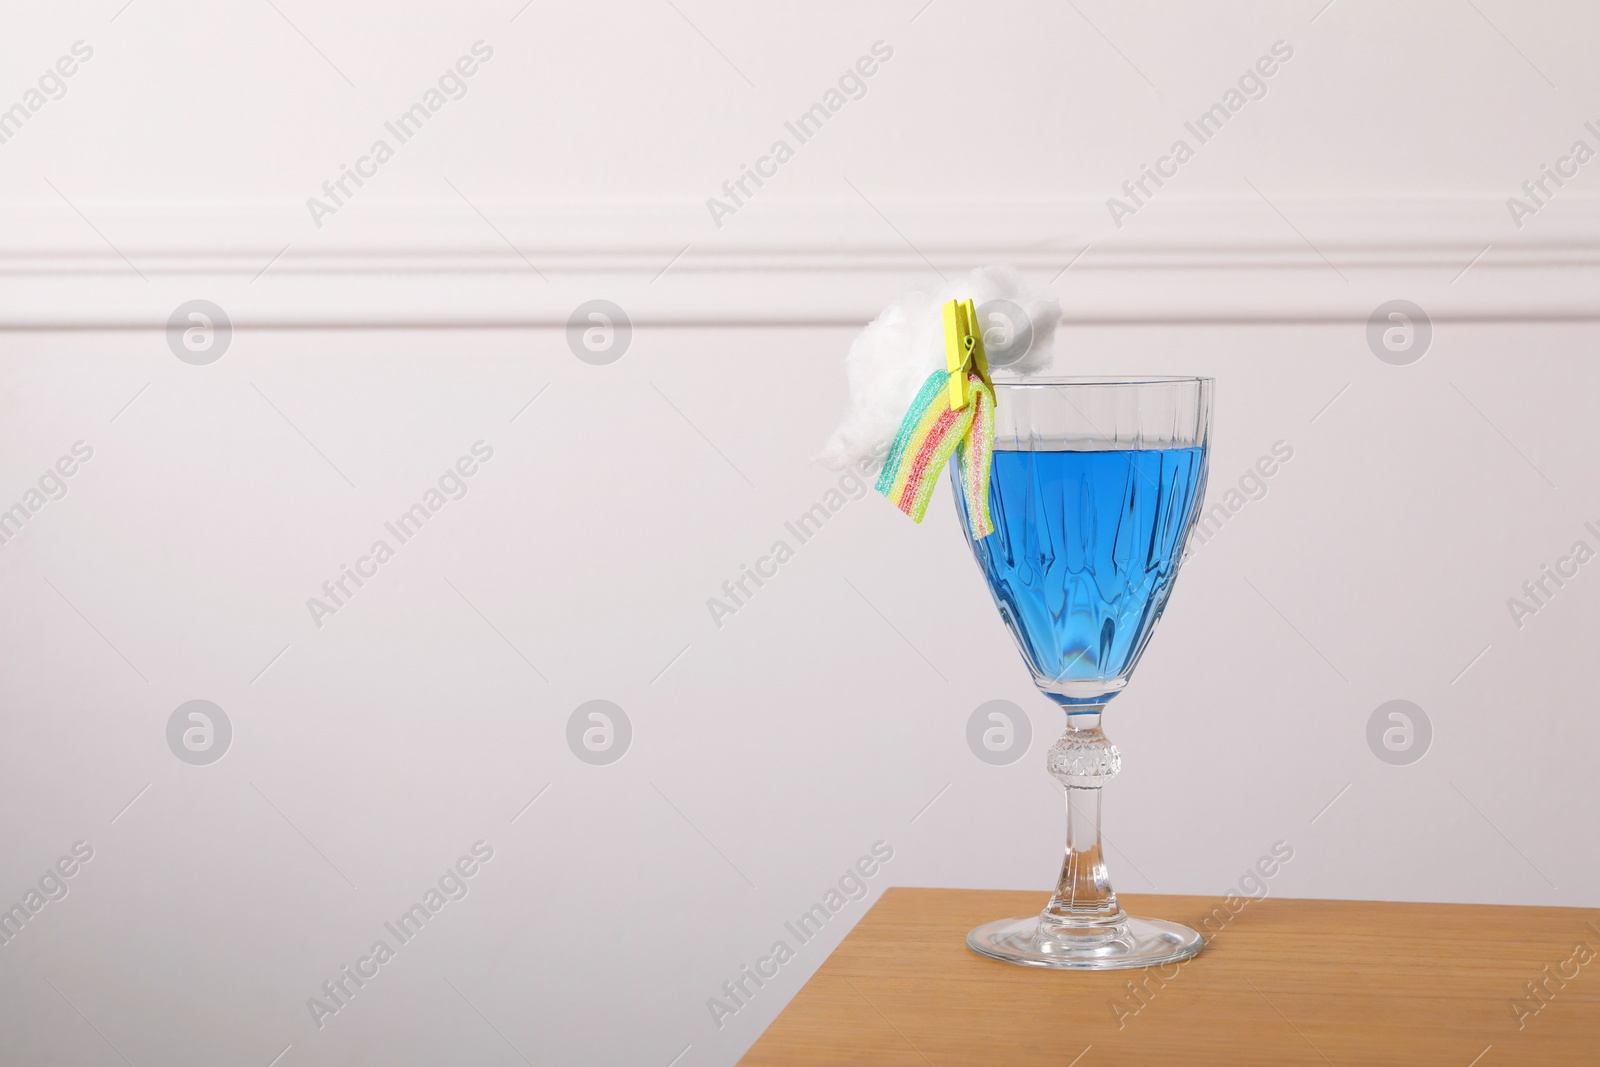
768,753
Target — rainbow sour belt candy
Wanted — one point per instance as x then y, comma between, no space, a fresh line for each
953,414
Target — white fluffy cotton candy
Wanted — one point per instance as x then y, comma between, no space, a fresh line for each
893,356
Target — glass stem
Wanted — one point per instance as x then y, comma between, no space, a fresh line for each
1084,907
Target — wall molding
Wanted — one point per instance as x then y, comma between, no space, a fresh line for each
102,265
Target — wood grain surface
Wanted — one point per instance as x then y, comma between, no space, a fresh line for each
1279,982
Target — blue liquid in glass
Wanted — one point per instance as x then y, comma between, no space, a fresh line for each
1084,552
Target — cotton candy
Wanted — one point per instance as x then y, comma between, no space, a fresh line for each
890,359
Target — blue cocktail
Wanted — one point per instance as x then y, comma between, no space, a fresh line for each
1085,548
1095,486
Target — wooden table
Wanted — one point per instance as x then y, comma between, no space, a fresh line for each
1279,982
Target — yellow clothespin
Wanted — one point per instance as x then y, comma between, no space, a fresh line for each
963,350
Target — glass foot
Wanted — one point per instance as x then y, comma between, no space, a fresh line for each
1131,943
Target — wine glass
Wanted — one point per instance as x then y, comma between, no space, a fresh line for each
1095,486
